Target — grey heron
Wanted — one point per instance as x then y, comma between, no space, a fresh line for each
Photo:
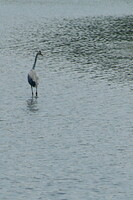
32,76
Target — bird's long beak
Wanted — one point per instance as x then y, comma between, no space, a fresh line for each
41,54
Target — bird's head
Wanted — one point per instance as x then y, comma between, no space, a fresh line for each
40,53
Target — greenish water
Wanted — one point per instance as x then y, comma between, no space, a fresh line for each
75,140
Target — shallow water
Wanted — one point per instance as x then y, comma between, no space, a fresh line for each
75,140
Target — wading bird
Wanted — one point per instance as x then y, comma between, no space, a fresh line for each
32,76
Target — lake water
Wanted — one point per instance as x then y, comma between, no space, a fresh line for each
73,142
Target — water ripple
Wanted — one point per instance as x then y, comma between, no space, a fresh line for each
75,140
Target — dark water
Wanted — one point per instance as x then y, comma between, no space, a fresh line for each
75,140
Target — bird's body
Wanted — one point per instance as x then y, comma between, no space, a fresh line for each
32,76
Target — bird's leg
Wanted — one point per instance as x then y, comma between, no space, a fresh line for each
36,92
32,91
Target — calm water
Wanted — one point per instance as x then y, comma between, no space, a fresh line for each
75,141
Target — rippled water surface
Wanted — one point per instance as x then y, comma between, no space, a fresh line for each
75,140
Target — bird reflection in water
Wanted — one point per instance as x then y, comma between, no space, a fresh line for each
32,105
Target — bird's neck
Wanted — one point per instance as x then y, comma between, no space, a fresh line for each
35,62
